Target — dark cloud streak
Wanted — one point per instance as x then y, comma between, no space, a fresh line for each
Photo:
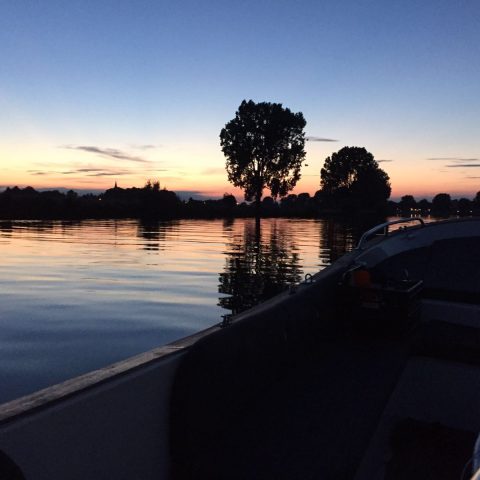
464,165
86,171
107,174
107,152
453,159
319,139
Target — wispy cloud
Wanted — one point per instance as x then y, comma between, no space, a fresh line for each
47,172
146,147
107,152
456,162
81,170
107,174
453,159
87,171
464,165
319,139
384,160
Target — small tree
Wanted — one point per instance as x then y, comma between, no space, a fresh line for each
352,178
476,204
441,204
229,200
424,205
264,148
407,204
464,207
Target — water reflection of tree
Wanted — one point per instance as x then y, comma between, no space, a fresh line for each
6,228
153,233
260,263
36,227
339,236
337,239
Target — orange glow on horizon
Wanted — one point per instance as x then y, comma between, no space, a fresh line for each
216,188
51,167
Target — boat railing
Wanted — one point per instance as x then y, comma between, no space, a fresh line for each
386,229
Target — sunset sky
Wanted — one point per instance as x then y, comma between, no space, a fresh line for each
93,92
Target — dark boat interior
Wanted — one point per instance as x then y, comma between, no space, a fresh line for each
342,381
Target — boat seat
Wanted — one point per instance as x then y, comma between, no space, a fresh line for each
449,341
448,268
450,327
458,313
452,273
450,331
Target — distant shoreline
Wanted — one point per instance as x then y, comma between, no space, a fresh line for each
153,203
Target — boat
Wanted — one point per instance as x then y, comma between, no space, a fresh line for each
369,369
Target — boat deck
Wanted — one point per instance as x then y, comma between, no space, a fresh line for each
316,422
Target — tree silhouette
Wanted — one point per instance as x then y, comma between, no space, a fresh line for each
476,204
264,147
441,204
424,205
464,207
407,204
351,178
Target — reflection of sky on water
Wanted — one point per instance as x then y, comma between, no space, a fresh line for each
75,296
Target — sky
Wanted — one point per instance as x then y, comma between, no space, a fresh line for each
93,92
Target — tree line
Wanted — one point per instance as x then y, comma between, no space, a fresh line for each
442,205
152,202
147,202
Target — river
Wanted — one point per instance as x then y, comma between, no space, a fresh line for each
76,296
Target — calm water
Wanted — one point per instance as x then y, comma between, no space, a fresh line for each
75,296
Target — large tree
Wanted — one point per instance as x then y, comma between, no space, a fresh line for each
264,148
352,177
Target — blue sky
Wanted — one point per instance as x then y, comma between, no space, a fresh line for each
97,91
